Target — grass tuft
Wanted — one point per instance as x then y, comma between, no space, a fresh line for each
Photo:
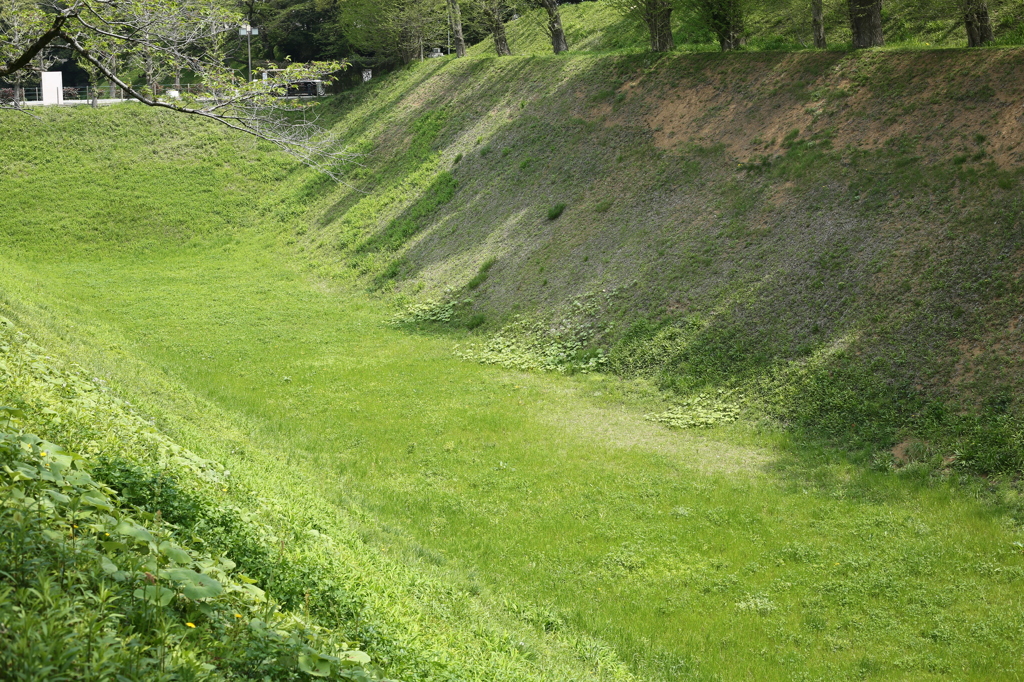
481,275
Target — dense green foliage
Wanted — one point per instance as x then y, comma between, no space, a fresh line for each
391,33
102,585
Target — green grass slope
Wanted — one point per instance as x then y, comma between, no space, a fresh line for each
655,217
471,522
131,199
835,236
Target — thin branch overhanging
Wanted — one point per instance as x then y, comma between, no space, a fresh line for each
188,38
33,49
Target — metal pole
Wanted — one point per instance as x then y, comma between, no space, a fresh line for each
248,40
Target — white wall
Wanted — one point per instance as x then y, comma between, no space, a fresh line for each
53,87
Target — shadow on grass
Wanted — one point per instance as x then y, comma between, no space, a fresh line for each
810,463
815,292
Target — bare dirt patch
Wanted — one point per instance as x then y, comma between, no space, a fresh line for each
951,100
900,450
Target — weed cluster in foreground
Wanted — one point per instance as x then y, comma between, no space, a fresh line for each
701,411
96,589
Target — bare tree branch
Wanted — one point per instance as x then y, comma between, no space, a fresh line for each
168,37
33,49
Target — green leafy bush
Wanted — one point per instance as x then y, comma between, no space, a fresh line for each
427,311
700,411
94,588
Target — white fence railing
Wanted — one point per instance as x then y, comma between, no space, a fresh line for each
10,94
84,94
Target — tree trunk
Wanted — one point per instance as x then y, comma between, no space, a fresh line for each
976,21
500,40
455,16
818,24
113,70
558,41
726,18
658,17
866,23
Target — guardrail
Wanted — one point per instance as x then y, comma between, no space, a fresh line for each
85,94
82,94
10,94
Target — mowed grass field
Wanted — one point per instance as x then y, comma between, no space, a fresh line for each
733,553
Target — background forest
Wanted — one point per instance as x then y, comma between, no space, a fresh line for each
383,36
398,32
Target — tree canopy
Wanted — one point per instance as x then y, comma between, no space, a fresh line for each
171,37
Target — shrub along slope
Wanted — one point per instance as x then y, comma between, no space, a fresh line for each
836,236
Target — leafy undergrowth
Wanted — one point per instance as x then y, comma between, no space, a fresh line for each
700,411
564,346
96,587
535,346
426,311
